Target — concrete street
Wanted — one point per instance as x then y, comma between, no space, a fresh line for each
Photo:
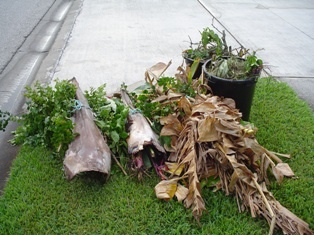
17,21
115,41
20,70
284,31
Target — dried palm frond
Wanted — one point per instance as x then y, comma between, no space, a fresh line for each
88,151
209,140
142,141
213,143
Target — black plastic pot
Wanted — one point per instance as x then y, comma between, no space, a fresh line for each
241,91
189,62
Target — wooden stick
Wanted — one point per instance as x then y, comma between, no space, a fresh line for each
281,154
121,167
272,215
273,156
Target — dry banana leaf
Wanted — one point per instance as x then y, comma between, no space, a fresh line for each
89,151
208,140
140,131
153,73
212,143
142,140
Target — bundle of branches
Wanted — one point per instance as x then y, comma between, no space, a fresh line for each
208,140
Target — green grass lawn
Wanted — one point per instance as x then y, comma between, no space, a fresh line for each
39,200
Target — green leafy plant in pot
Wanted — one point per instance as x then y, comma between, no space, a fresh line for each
210,45
235,77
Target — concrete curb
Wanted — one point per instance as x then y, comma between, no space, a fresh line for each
26,65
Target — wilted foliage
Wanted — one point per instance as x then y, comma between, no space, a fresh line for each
209,142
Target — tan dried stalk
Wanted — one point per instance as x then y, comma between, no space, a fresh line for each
211,142
237,159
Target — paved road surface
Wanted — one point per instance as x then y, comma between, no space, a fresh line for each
28,30
17,21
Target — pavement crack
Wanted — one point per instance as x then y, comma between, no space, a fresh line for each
291,24
219,22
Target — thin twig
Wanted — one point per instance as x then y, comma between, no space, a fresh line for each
169,63
147,174
118,163
193,43
273,156
213,19
272,215
281,154
271,161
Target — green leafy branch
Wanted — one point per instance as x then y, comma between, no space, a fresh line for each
211,44
144,100
47,120
253,64
111,117
4,119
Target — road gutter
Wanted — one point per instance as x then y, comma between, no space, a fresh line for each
22,72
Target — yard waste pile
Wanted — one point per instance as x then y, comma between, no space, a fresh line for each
171,124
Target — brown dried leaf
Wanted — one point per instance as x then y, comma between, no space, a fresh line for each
174,143
273,156
228,145
240,172
188,158
229,128
181,192
264,164
173,157
141,134
169,130
285,169
169,120
229,102
281,155
252,144
206,130
157,70
174,168
289,222
202,160
173,95
160,98
186,141
172,126
204,108
185,105
212,142
278,174
166,189
182,74
280,170
194,198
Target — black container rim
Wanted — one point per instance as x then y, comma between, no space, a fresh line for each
210,76
184,55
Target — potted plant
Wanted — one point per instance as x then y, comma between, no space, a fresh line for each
210,45
235,77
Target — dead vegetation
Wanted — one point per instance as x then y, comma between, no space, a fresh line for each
209,141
